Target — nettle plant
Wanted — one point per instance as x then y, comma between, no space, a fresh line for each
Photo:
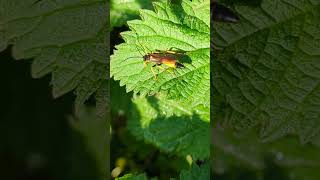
64,38
266,88
171,111
67,40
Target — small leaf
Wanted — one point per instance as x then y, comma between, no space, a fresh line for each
133,177
196,173
122,11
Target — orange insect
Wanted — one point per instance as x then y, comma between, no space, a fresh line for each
169,58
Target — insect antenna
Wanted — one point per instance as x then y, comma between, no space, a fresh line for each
132,57
137,50
142,46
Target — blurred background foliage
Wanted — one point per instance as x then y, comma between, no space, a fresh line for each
243,153
122,11
41,138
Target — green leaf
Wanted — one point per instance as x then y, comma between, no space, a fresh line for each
122,11
95,132
268,74
66,38
133,177
184,26
196,173
172,126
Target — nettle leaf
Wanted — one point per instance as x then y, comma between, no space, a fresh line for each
133,177
173,126
268,74
185,26
65,37
122,11
196,172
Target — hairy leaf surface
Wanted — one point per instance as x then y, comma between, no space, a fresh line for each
185,26
267,76
64,37
266,80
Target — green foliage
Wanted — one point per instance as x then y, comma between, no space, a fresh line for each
171,112
66,38
122,11
133,177
122,99
179,26
268,72
196,173
172,126
164,122
265,80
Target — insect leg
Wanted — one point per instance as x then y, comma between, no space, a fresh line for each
175,50
159,51
165,69
173,72
154,74
145,64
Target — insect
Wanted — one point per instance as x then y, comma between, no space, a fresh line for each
169,58
221,13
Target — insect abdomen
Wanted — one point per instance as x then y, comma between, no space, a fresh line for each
169,62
